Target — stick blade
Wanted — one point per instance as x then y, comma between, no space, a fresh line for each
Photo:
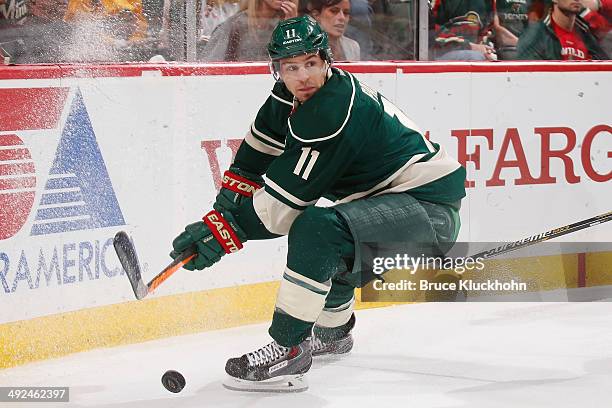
129,261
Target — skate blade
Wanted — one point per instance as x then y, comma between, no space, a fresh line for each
281,384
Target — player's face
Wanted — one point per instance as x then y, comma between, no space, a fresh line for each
334,19
303,75
569,6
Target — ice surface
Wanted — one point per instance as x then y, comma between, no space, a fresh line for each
424,355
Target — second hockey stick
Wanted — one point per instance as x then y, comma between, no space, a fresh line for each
544,236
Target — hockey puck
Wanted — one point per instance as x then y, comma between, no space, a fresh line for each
173,381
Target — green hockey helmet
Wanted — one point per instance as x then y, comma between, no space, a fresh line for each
297,36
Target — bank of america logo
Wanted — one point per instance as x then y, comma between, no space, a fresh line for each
17,184
78,194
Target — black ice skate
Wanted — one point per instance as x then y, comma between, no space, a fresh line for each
332,340
272,368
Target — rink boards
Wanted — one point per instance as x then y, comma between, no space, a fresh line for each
87,151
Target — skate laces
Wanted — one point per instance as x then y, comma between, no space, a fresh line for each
266,354
315,343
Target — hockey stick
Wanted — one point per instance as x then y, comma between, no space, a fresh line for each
544,236
129,261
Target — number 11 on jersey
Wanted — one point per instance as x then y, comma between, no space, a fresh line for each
308,159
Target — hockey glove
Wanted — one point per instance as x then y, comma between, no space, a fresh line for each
235,189
211,238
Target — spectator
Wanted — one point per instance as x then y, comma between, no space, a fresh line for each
123,18
106,30
461,29
510,19
598,15
245,35
360,27
213,13
334,16
562,35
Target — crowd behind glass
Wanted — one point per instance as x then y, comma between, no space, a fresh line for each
55,31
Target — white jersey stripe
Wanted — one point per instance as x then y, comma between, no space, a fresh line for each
260,146
383,183
419,174
266,137
290,197
282,100
412,175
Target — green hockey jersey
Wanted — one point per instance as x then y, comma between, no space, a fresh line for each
344,143
513,14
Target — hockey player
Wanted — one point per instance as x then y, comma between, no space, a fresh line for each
562,35
322,133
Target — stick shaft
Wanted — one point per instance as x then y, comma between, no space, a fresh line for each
545,236
169,270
